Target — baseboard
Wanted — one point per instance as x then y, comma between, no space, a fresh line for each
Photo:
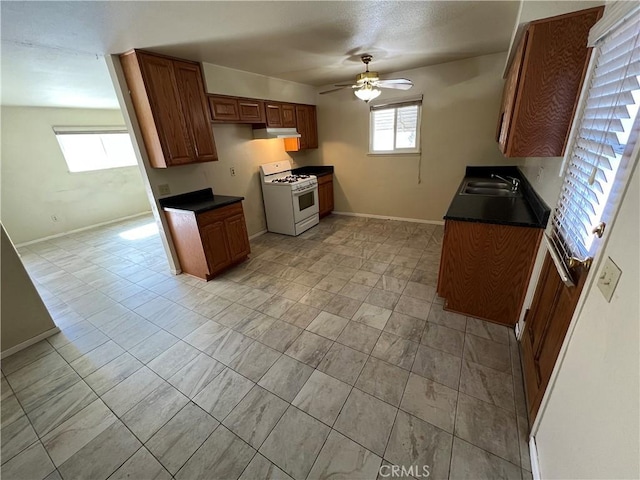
533,453
28,343
101,224
388,217
256,235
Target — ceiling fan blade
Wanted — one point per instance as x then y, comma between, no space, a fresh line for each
340,87
397,83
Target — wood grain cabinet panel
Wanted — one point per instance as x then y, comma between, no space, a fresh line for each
194,103
224,109
325,195
209,242
485,269
273,112
250,110
543,85
169,101
288,115
307,127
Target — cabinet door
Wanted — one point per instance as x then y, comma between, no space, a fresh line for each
302,125
251,111
509,95
224,109
288,115
274,114
312,127
237,237
215,246
168,116
325,195
194,106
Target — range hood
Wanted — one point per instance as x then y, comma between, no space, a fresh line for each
275,133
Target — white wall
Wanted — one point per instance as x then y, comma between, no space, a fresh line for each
36,183
24,315
459,117
589,428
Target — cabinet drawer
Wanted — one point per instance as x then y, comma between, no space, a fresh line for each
219,214
325,179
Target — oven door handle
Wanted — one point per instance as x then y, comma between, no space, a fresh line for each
306,190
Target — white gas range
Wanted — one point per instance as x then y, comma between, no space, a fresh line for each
290,201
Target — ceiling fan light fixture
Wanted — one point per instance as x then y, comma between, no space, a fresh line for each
367,92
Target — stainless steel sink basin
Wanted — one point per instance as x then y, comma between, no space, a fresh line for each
490,192
488,184
489,188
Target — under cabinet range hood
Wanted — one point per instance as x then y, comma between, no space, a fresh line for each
270,132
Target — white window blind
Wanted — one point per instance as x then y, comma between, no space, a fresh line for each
395,127
600,141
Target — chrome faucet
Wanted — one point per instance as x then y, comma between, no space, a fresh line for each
514,182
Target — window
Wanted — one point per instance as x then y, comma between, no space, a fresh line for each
96,148
395,127
602,142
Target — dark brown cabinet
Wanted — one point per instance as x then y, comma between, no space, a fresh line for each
273,112
485,269
543,85
288,115
325,195
209,242
171,108
307,127
225,109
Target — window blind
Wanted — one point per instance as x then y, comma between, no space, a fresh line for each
600,141
395,126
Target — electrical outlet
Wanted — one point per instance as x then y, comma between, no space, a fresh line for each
608,279
164,189
540,175
54,218
232,170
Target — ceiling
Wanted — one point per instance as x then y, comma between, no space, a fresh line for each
52,52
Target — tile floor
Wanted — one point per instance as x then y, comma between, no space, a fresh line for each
324,356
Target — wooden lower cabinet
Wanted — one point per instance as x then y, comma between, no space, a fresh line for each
485,269
209,242
325,195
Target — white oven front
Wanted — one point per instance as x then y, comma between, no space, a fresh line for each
305,202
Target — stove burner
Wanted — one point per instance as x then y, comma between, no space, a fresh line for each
291,178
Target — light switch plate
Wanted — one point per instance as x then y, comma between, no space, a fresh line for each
608,279
164,189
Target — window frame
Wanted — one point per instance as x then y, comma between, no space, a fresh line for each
395,105
60,131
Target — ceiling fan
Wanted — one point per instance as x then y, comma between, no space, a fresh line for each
368,84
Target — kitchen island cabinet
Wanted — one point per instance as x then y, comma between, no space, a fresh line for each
169,100
208,231
489,248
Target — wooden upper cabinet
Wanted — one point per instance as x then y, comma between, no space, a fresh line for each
194,102
543,85
169,101
288,115
250,110
273,112
306,125
225,109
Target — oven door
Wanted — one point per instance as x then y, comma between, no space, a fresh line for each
305,203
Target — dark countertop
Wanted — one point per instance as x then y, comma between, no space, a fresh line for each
528,210
197,202
317,170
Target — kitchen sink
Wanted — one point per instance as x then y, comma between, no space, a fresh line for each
487,184
488,188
